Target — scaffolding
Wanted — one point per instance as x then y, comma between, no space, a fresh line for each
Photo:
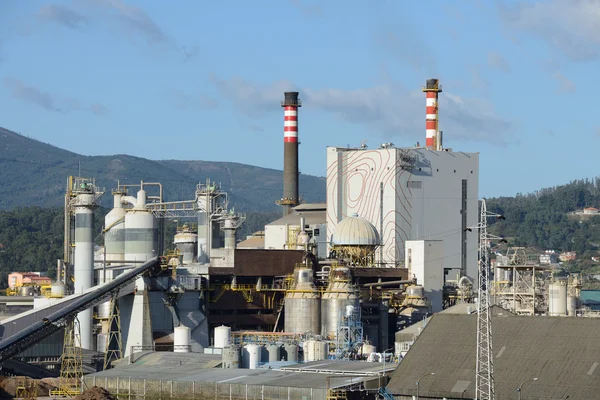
349,334
26,389
522,290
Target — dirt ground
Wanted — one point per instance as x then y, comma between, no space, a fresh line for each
95,393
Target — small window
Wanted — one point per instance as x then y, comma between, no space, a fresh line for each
315,232
414,184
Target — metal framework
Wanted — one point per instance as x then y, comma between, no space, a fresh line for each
114,343
27,389
484,372
523,292
71,370
349,335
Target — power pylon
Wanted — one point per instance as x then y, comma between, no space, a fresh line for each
484,373
114,344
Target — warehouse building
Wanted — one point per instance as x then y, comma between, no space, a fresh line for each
562,353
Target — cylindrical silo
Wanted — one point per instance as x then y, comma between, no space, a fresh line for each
114,225
302,304
315,350
101,342
57,290
367,349
339,295
290,352
231,357
222,336
251,356
572,306
229,229
557,298
103,311
181,340
83,271
273,351
186,242
141,232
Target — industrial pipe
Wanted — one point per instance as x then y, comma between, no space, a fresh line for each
390,283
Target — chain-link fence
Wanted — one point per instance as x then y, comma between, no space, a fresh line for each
151,389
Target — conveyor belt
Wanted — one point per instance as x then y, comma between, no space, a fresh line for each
56,320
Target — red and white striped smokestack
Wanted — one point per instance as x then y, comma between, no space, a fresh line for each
432,137
290,197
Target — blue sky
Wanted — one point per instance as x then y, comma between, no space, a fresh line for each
203,79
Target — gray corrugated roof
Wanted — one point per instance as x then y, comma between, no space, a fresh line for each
310,217
561,352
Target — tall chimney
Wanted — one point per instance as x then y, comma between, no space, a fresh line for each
290,198
433,140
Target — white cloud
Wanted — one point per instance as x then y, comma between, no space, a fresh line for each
389,109
570,26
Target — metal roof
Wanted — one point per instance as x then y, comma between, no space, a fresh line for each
310,218
563,353
195,367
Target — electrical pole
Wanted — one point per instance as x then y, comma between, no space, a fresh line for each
484,373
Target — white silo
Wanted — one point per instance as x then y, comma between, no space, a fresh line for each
141,233
251,356
186,242
181,340
339,295
302,304
114,229
222,336
315,350
84,202
557,298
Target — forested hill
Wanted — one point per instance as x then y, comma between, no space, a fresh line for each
551,218
33,173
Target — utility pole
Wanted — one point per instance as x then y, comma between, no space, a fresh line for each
484,373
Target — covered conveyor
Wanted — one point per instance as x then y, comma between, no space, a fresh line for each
27,329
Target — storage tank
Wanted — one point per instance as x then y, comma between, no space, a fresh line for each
103,311
572,306
186,242
141,232
274,352
231,357
182,339
302,304
251,356
340,295
290,352
114,224
557,298
222,336
26,291
367,349
101,342
57,290
415,291
315,350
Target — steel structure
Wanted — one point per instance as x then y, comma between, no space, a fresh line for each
484,372
37,331
114,344
349,333
71,369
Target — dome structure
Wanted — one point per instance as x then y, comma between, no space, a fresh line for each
355,231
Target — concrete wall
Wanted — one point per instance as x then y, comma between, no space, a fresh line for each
419,203
424,260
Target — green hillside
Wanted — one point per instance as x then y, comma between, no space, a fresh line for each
35,174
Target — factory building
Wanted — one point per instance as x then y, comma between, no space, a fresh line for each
559,353
408,194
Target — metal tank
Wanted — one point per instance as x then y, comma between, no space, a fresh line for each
186,242
273,352
231,357
57,290
222,336
27,291
557,298
367,349
251,356
141,232
302,304
103,311
290,352
339,295
316,350
83,271
572,306
101,342
114,226
182,338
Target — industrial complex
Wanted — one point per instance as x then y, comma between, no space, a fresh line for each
389,283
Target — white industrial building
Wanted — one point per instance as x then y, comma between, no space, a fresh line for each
283,233
408,194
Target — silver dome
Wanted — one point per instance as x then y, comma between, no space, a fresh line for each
355,231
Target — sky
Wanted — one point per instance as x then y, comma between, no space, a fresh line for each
203,80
